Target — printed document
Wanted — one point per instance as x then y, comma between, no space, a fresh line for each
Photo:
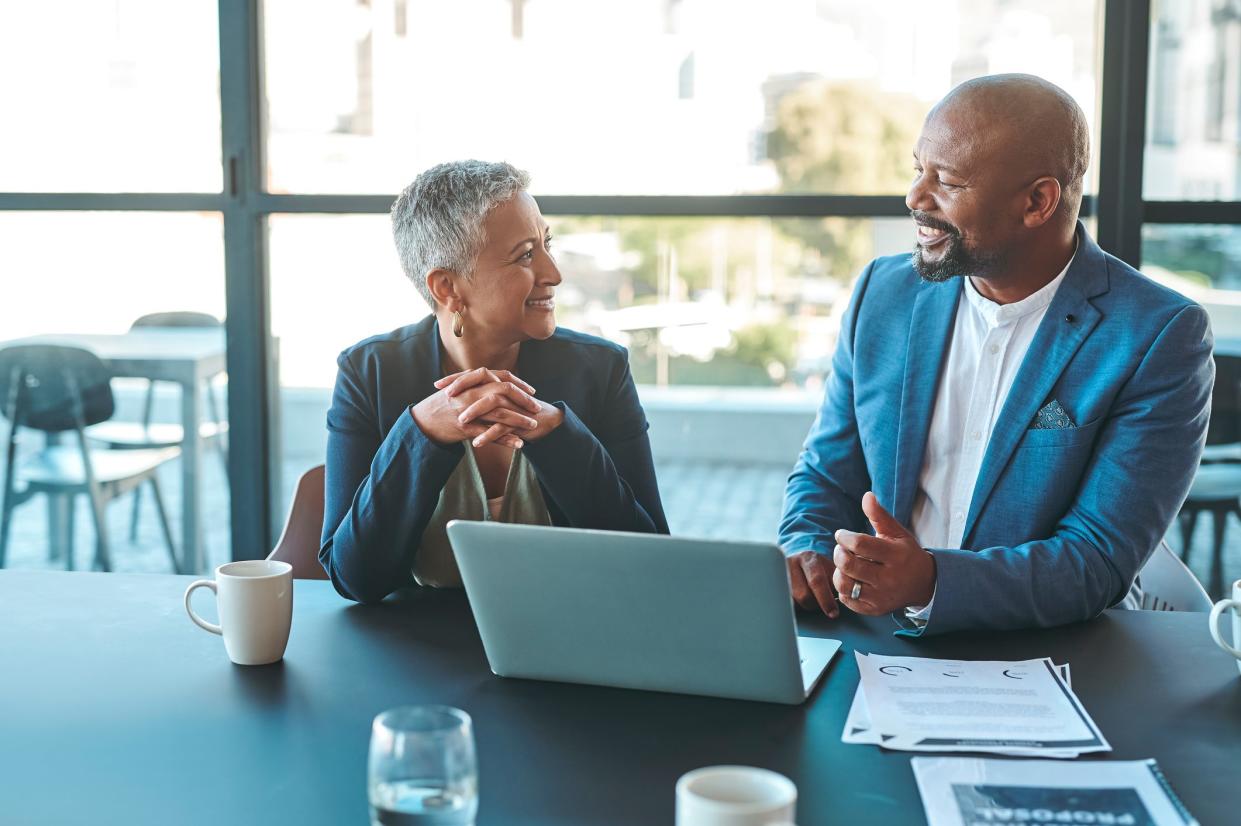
965,791
920,704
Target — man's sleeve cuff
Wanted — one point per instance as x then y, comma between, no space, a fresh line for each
922,615
820,546
913,619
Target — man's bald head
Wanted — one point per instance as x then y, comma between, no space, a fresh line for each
999,169
1029,126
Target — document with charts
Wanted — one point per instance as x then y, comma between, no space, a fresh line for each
971,791
1021,707
860,729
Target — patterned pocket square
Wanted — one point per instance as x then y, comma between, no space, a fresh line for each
1052,417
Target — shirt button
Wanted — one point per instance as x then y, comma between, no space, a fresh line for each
995,348
976,435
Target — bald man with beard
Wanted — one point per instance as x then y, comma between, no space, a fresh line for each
1014,416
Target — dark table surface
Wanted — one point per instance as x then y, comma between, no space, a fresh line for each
115,709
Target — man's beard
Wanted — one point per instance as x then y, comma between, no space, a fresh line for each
956,259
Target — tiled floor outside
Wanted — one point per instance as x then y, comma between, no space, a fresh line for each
702,499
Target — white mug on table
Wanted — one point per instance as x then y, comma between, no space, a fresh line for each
735,796
1222,606
255,599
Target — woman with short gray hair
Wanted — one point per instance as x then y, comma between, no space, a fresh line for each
483,410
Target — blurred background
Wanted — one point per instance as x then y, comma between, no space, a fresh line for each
716,175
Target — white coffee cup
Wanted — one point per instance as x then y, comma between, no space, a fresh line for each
255,599
1220,607
735,796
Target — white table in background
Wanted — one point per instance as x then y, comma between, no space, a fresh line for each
185,356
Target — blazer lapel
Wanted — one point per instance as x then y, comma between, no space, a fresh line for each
1068,321
930,330
532,367
428,350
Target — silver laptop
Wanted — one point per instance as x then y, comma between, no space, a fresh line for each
635,610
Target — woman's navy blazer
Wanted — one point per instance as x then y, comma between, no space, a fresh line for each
384,475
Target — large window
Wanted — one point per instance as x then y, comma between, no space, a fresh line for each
716,175
1194,135
745,309
647,98
120,101
752,302
119,96
1192,238
641,97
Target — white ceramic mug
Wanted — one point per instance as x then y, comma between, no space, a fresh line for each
735,796
255,599
1220,607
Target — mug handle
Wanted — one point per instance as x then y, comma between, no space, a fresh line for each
212,627
1218,609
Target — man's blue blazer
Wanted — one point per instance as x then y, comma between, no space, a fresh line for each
1061,520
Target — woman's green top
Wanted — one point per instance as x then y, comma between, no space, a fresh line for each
464,497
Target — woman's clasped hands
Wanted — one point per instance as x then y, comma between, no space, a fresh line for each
485,406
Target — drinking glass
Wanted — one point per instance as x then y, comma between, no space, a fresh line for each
422,769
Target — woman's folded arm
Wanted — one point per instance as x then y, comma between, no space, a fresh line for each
379,494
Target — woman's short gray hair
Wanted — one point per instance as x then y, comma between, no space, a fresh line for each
437,221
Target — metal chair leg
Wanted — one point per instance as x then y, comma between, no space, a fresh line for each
94,490
8,503
133,518
1189,520
163,523
221,440
7,506
6,523
1219,523
103,558
71,518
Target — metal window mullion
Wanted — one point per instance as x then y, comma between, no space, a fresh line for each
253,397
727,206
1122,132
111,201
1192,212
713,206
861,206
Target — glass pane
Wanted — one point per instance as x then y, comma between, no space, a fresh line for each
120,96
82,279
1204,263
730,324
1193,133
1198,256
643,96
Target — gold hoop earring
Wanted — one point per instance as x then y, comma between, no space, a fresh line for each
458,324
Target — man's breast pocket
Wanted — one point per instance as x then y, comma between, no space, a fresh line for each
1064,437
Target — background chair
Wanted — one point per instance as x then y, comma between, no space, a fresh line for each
299,543
145,434
1168,584
57,389
1217,486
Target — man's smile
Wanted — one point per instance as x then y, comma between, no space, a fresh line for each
931,237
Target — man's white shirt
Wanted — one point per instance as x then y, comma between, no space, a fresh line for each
989,343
